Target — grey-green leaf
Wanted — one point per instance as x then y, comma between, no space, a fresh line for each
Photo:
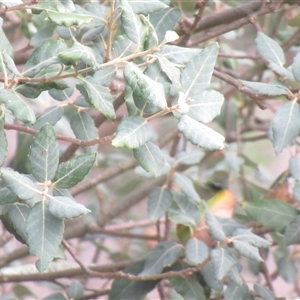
132,132
44,154
295,167
263,292
285,125
162,255
51,115
98,96
6,196
147,6
296,67
76,290
196,76
84,129
151,158
208,273
199,134
104,77
269,49
44,233
292,232
19,184
222,261
247,250
5,44
17,106
178,55
267,88
234,291
158,203
66,208
131,23
71,172
247,236
3,140
206,106
296,191
196,251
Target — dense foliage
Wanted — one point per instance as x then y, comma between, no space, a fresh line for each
119,101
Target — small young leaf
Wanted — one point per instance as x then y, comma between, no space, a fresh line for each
196,251
222,261
66,208
214,227
184,211
267,88
158,203
44,154
151,158
186,186
17,106
131,23
206,106
165,20
51,115
162,255
272,213
19,184
44,233
132,132
71,172
98,96
292,232
196,76
269,49
285,125
128,289
263,292
199,134
84,129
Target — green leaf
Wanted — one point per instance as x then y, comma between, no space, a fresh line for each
17,214
17,106
273,214
5,44
267,88
146,6
188,287
186,186
158,203
222,261
51,115
285,125
132,132
151,158
104,77
3,140
196,251
196,76
44,56
44,154
294,165
45,233
281,71
84,129
71,172
66,208
214,227
6,196
179,55
79,53
189,158
296,67
206,106
19,184
208,274
292,232
199,134
98,96
123,46
146,92
164,20
9,63
131,23
269,49
247,250
162,255
246,235
75,290
124,289
184,211
263,292
234,291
